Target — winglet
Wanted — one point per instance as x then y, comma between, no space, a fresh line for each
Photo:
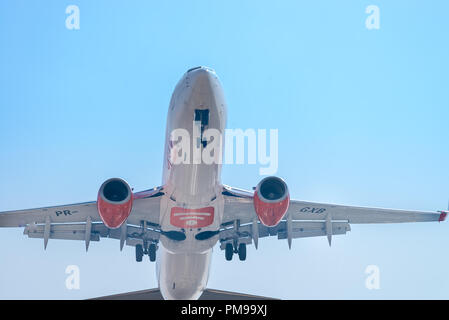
443,214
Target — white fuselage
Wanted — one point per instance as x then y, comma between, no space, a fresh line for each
193,201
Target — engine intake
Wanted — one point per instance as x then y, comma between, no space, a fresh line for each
271,200
114,202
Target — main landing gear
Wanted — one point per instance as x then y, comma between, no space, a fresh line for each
230,249
150,250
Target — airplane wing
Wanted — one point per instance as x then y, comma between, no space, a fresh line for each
81,221
305,219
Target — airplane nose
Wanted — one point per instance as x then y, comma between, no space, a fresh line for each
201,79
200,69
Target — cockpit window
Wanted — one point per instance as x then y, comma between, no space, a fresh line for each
202,116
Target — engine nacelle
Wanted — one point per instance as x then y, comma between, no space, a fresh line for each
114,202
271,200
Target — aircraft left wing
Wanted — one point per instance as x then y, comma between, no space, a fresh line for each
81,221
57,214
305,219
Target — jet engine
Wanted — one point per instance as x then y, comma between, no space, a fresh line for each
114,202
271,200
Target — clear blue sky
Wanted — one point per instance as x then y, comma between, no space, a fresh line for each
362,118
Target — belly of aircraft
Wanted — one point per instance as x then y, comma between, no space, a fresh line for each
192,207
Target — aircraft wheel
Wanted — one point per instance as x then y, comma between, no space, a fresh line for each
229,251
242,251
152,252
139,252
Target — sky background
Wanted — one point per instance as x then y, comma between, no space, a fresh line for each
362,118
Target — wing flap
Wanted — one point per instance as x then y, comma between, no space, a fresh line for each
77,231
66,231
134,234
300,229
314,229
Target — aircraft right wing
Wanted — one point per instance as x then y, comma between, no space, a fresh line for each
304,210
305,219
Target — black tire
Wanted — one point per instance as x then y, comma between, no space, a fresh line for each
229,251
242,251
139,253
152,252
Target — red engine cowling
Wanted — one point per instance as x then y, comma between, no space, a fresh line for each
271,200
114,202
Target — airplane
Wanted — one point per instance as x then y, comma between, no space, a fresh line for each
178,223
